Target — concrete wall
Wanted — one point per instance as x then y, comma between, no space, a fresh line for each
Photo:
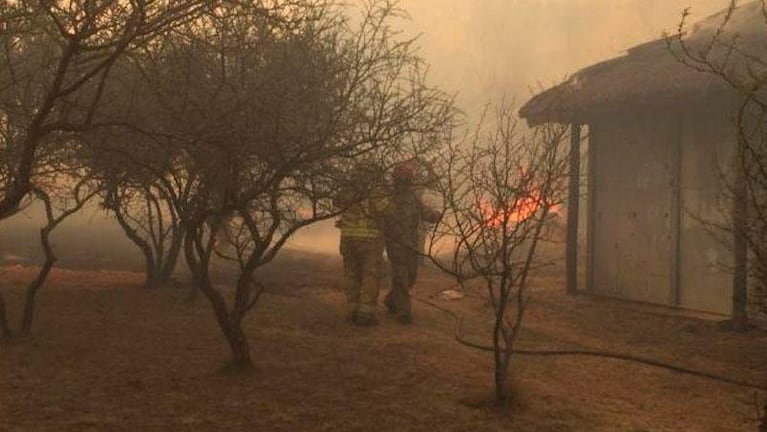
632,195
655,177
707,147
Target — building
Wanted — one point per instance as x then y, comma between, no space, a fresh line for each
659,134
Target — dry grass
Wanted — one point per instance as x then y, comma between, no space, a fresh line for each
107,355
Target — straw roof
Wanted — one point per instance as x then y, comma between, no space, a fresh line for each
652,75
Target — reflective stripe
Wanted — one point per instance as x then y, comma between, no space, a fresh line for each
361,232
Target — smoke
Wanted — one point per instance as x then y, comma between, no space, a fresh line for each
479,50
483,49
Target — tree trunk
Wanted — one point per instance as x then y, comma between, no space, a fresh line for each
193,266
501,378
32,289
42,275
230,322
500,363
231,326
160,269
146,249
4,326
174,251
157,273
20,186
152,277
238,343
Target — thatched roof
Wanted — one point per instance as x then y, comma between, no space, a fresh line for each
651,74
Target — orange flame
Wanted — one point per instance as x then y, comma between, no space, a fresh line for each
518,212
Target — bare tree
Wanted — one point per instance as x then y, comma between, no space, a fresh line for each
63,193
140,179
734,51
56,60
500,189
148,218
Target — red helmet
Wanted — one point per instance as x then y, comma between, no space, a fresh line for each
405,170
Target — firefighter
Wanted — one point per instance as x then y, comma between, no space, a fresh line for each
361,246
403,219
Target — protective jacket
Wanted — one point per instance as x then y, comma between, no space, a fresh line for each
403,219
359,222
402,222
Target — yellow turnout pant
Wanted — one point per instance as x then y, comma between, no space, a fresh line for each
363,259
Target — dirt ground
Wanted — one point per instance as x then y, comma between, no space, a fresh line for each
107,355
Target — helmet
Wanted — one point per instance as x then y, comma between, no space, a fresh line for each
405,170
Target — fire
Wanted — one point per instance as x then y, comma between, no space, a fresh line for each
518,212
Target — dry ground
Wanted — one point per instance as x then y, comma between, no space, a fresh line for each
107,355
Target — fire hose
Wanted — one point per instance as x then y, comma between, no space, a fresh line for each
458,334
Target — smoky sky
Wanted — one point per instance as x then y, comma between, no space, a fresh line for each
482,50
485,49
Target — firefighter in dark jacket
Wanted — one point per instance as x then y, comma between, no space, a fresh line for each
402,219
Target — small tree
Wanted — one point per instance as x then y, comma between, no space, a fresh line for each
57,59
140,182
500,189
146,214
63,193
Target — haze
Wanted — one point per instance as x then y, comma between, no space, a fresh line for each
452,215
482,49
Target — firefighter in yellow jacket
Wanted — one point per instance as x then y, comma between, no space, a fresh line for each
361,246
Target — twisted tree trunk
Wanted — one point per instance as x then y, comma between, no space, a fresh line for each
197,253
230,322
34,287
